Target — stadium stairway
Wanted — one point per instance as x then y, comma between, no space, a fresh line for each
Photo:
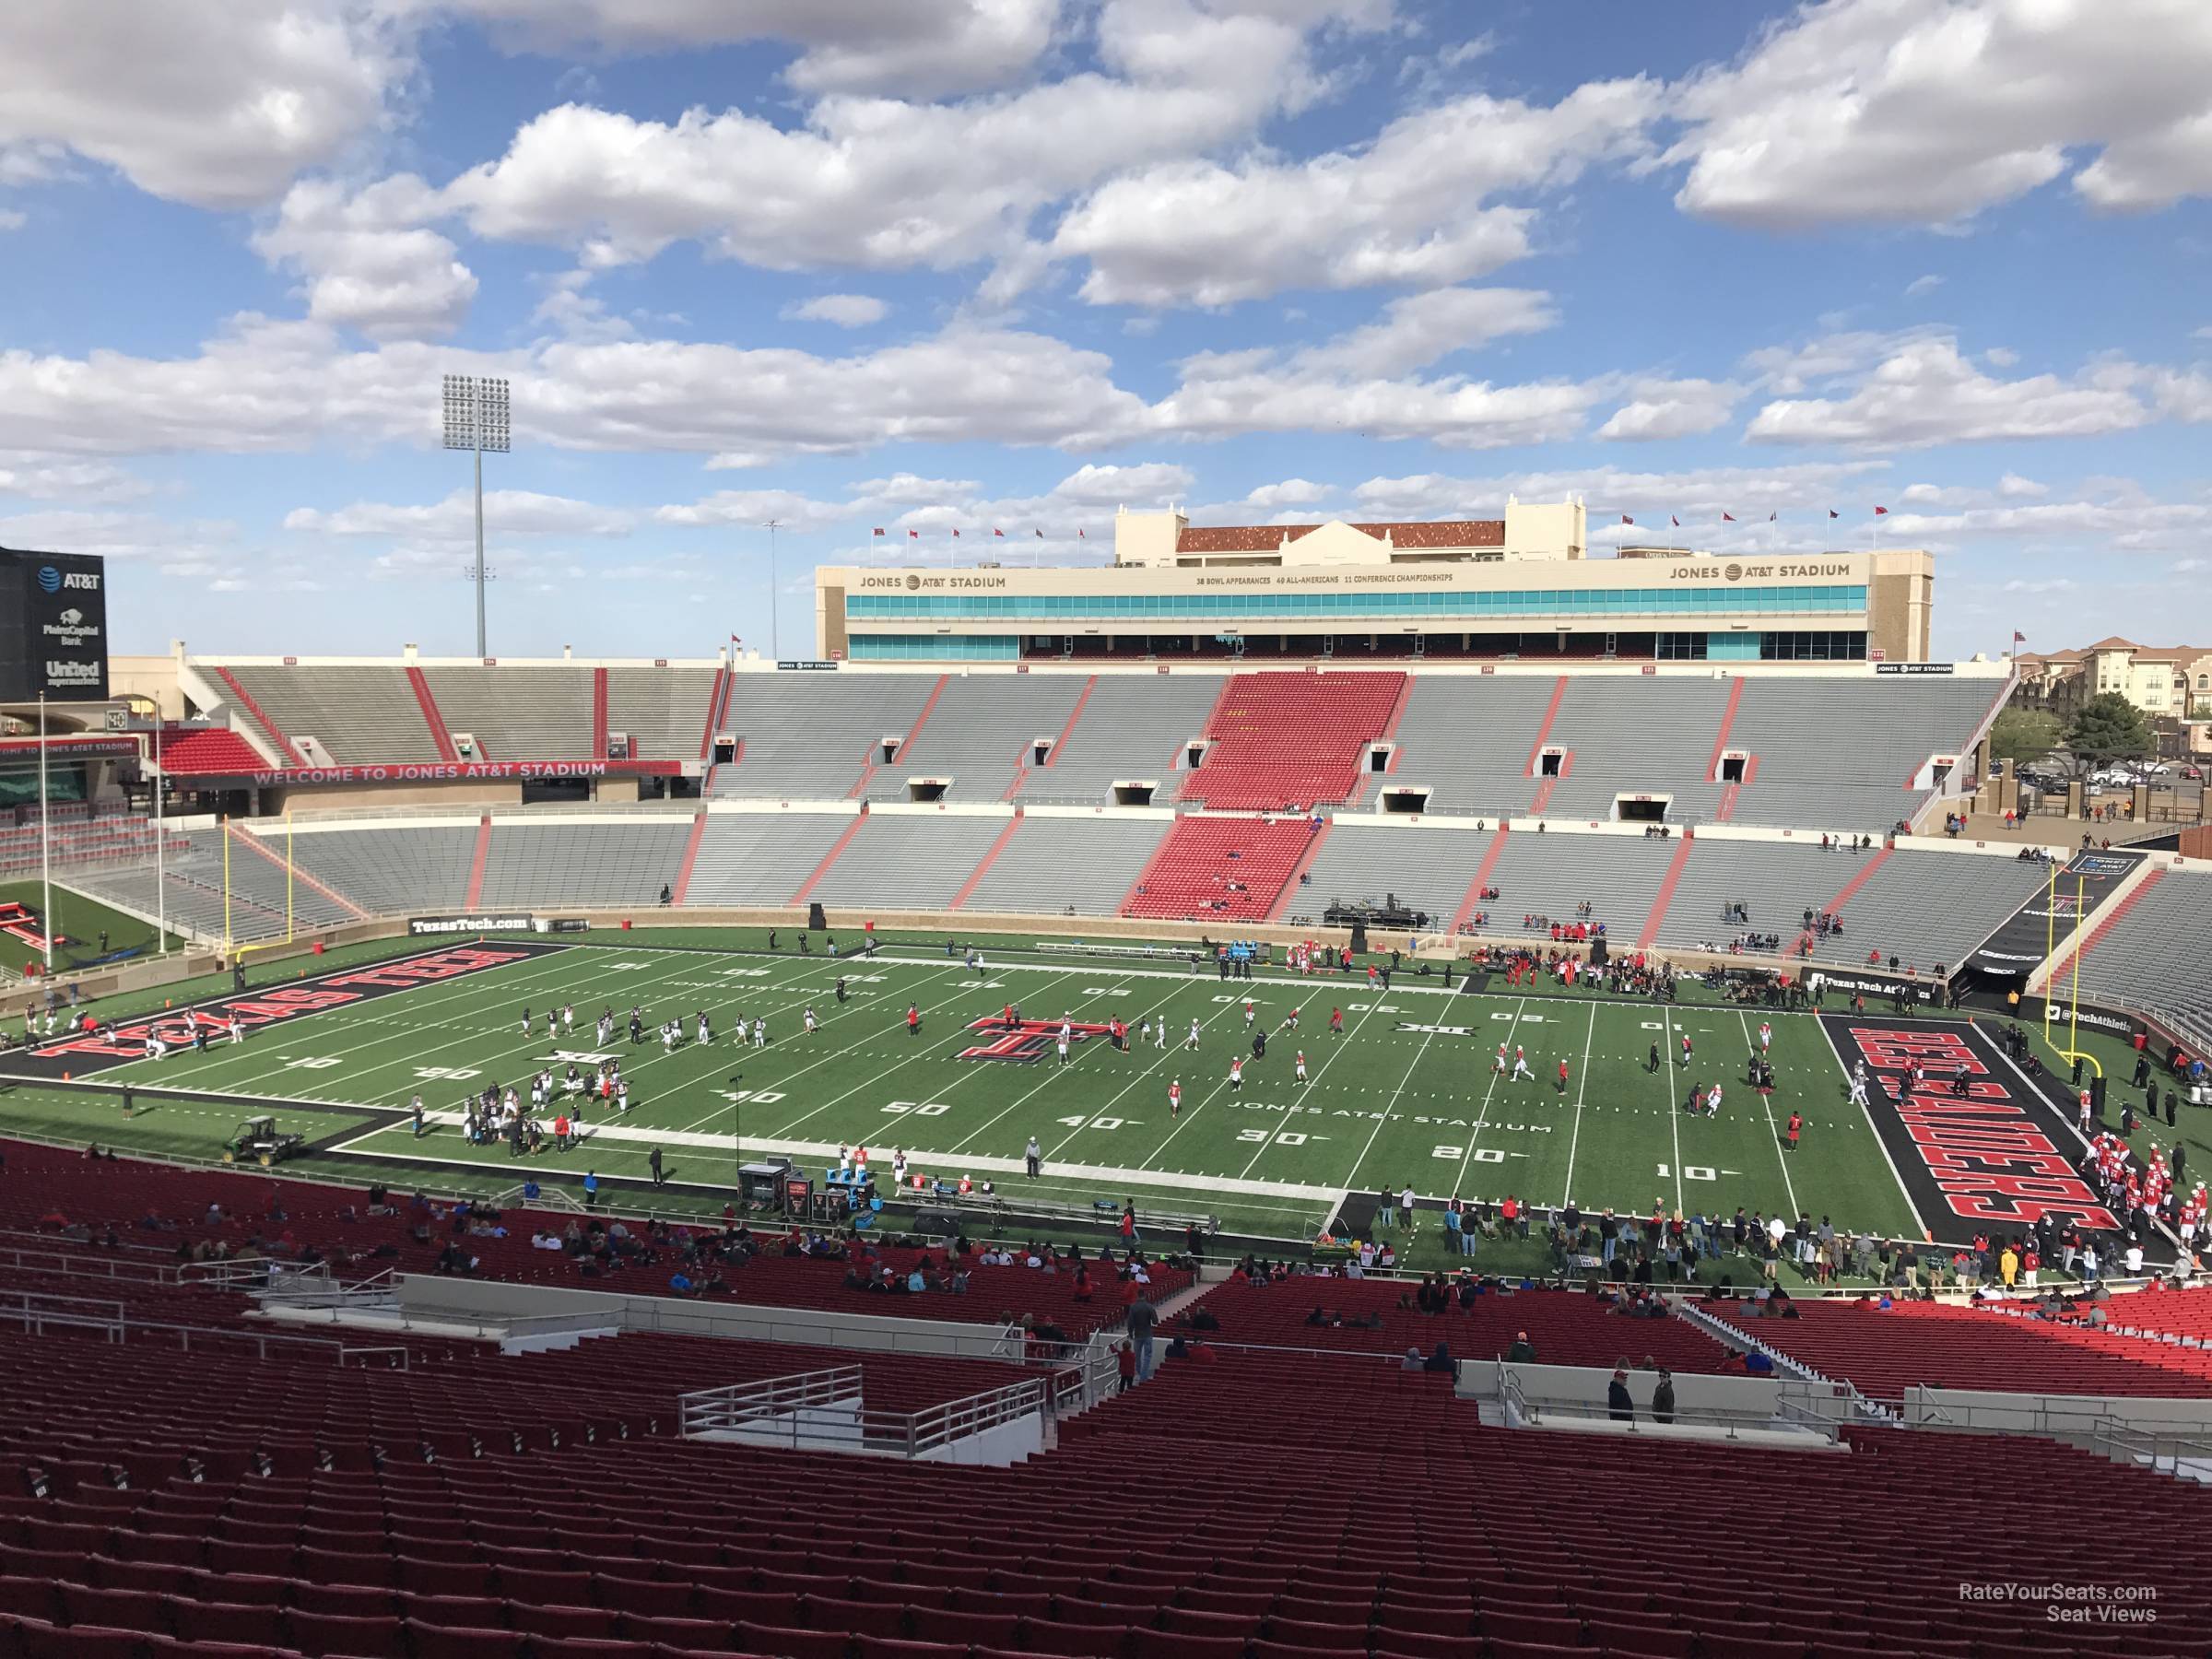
290,756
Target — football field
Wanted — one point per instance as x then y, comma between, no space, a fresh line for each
1408,1093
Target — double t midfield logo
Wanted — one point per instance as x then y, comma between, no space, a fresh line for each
1025,1042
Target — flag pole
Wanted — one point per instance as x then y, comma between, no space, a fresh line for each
45,840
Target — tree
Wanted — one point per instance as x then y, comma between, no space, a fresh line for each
2108,727
2025,735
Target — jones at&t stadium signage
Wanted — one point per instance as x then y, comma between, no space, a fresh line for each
1769,570
53,628
465,771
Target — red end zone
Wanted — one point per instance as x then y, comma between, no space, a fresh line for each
1998,1156
95,1052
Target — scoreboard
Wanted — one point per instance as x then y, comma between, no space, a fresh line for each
54,626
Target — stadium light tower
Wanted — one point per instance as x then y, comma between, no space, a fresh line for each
476,420
775,638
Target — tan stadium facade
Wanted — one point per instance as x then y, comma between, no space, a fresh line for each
1518,589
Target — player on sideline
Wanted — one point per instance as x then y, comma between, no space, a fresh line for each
1335,1022
1302,1065
1498,1067
1858,1090
567,1017
811,1026
238,1029
1562,1076
1192,1041
1175,1098
1683,1061
1713,1102
525,1021
760,1031
706,1031
1291,1024
1062,1042
1160,1032
1766,1036
1795,1127
1236,1075
1521,1066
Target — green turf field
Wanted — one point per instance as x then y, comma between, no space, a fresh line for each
80,922
1406,1094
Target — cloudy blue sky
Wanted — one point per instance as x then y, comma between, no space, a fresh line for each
978,264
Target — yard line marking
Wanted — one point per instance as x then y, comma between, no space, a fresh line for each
1335,1053
880,1076
1674,1113
738,1051
1022,1099
1382,1117
1150,1067
1483,1116
1582,1088
1781,1157
1161,1150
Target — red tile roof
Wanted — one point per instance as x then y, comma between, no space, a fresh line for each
1266,538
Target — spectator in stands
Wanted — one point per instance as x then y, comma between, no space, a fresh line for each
1413,1361
1522,1351
1620,1406
1143,1316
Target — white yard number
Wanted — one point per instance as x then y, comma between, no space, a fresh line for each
920,1108
1481,1154
1289,1137
446,1074
739,973
758,1097
1693,1171
1098,1122
620,967
1104,991
1375,1009
316,1062
1653,1025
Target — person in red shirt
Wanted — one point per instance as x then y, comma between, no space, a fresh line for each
1125,1362
1335,1022
560,1133
1562,1076
913,1020
1796,1124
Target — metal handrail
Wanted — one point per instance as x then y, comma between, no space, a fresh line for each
806,1400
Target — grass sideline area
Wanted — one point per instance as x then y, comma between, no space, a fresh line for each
78,922
1406,1094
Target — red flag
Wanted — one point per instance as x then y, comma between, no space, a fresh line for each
997,532
914,535
1833,514
1879,511
2018,638
956,536
1078,535
879,532
1728,518
1626,519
